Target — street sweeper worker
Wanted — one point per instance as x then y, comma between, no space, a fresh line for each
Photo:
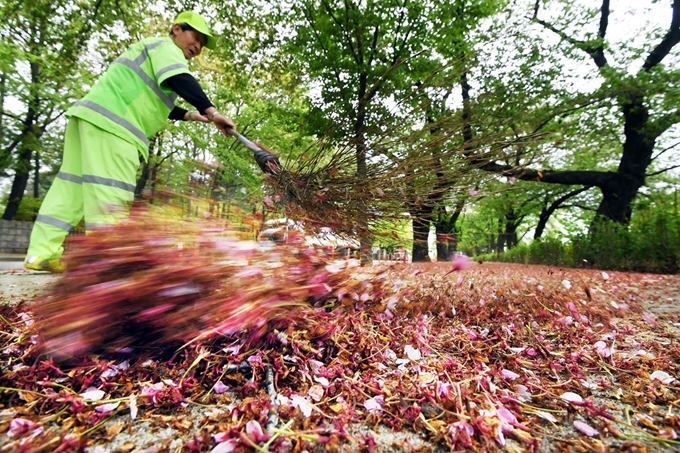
110,128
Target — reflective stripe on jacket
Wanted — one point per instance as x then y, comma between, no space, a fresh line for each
130,100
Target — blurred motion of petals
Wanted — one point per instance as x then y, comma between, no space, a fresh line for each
460,262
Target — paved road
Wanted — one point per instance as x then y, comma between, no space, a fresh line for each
11,262
18,284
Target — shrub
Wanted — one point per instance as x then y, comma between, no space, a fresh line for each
28,209
649,244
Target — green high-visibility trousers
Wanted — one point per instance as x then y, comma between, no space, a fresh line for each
96,182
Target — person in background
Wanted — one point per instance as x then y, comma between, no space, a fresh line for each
110,128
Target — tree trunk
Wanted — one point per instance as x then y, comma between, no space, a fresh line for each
36,176
547,212
19,184
365,241
447,244
3,90
421,231
30,141
141,182
620,188
447,232
510,234
499,245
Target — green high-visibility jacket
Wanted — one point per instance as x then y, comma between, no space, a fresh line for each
130,100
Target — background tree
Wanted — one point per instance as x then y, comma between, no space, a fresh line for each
637,106
360,55
42,63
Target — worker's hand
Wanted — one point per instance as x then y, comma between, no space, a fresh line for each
223,123
194,115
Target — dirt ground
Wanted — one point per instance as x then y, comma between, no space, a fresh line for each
659,295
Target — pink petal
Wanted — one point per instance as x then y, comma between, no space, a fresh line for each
374,404
92,394
507,374
546,416
225,447
412,353
586,428
220,387
662,377
602,349
506,416
316,392
20,427
107,407
255,432
303,404
460,262
571,397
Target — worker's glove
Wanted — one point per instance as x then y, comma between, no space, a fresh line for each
267,160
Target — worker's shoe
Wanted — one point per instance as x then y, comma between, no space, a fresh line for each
38,264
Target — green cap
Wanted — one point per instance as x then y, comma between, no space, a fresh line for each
198,23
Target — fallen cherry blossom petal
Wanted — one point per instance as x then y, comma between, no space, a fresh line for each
93,394
586,428
107,407
225,447
303,404
589,385
316,392
412,353
374,404
220,387
19,427
602,349
522,393
133,406
661,376
571,397
443,389
255,432
507,374
546,416
221,437
322,380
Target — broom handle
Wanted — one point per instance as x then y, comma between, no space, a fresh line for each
247,143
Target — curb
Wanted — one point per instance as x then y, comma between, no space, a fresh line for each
12,257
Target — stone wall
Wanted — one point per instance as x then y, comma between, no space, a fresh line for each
14,236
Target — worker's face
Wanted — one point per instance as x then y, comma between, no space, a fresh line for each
190,41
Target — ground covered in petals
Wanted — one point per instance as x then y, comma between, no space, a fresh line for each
395,357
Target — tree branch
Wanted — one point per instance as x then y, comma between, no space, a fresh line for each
667,43
668,148
656,173
11,115
570,177
593,48
665,122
